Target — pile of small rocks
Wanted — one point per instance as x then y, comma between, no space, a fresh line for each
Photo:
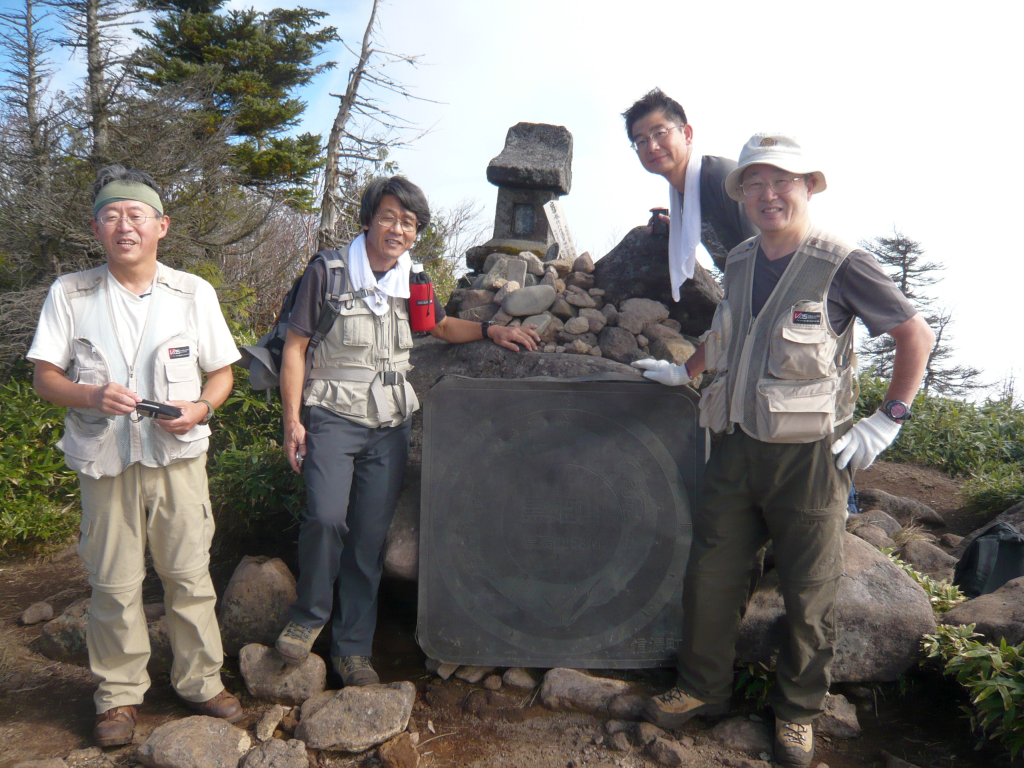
560,297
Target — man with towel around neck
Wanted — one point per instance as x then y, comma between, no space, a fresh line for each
108,338
785,388
353,444
700,210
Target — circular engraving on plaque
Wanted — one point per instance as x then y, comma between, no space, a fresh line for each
572,538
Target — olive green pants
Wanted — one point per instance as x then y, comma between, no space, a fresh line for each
794,496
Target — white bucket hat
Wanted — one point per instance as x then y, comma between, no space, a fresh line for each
778,149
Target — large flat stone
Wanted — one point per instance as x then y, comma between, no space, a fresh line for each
254,608
356,719
194,742
267,676
536,156
529,301
572,690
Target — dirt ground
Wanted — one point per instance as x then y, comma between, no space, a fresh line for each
46,707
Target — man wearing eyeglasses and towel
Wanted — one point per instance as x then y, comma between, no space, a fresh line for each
353,444
784,393
700,210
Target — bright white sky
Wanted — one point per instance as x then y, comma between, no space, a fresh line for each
913,108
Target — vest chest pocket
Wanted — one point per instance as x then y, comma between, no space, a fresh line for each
182,378
796,411
357,327
802,346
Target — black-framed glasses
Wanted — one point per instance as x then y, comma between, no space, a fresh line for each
135,219
778,186
642,142
388,220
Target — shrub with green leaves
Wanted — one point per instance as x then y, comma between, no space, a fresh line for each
38,493
993,676
941,594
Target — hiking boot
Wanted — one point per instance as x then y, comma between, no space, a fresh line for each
295,641
794,744
355,670
115,727
224,705
673,708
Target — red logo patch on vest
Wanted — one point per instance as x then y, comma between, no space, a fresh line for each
177,352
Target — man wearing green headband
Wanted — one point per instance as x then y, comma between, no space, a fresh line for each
111,343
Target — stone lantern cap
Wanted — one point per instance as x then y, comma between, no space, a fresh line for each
536,156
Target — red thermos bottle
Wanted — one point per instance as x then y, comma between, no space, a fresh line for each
421,300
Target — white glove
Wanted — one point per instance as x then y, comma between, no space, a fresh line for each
663,372
869,437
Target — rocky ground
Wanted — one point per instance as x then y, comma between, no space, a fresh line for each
46,707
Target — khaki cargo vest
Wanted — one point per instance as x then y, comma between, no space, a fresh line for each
358,370
786,376
166,368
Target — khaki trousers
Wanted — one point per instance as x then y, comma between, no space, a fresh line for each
794,496
168,507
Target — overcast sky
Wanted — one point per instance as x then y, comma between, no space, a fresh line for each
912,109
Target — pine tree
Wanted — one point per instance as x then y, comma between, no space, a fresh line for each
903,259
256,59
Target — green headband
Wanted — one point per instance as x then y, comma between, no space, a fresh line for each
116,191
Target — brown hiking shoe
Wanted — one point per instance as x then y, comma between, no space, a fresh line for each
674,708
115,727
355,670
794,744
224,705
295,642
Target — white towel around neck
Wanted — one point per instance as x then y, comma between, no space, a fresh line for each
684,226
394,283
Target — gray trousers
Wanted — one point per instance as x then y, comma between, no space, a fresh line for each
753,492
353,475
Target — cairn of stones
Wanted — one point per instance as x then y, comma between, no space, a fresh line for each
519,278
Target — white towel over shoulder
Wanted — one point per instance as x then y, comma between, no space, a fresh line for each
395,282
684,227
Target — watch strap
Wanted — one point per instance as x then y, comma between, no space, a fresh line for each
484,326
209,413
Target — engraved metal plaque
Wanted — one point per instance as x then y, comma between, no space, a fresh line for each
555,521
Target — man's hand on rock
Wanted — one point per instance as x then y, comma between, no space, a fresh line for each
510,338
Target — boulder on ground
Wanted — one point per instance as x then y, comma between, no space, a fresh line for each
277,754
572,690
742,734
638,268
194,742
399,752
670,753
254,607
882,615
358,718
928,558
268,723
268,676
998,615
839,719
520,678
473,675
402,543
36,613
878,518
873,535
906,511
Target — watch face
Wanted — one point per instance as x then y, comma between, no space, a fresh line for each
898,410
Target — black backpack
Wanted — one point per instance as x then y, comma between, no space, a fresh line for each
995,557
263,359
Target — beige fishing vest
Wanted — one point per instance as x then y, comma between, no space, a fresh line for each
786,376
165,368
358,370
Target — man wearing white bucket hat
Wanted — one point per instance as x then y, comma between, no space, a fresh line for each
782,347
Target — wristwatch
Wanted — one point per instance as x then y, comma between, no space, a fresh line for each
897,410
484,326
209,411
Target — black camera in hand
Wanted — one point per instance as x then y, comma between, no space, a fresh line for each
157,410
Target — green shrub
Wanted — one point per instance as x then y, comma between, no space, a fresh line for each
993,676
38,493
941,594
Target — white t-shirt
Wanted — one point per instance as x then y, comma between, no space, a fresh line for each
52,342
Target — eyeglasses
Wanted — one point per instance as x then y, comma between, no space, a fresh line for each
135,219
388,220
778,186
659,135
